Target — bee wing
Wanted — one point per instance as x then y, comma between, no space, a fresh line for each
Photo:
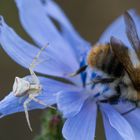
131,32
122,54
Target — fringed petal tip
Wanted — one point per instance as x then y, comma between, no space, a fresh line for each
2,24
13,45
1,19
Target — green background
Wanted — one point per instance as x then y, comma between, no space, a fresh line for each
90,18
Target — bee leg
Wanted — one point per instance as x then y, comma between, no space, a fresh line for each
25,104
81,69
101,80
132,109
33,97
104,80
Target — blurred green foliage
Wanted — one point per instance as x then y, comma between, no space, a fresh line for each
52,123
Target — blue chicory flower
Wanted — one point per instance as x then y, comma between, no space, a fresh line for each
66,53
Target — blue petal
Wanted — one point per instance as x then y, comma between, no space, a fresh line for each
17,48
117,29
79,44
132,116
134,120
110,132
82,125
24,53
11,104
124,106
38,24
70,102
120,126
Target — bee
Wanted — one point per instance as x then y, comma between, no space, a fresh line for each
119,64
130,60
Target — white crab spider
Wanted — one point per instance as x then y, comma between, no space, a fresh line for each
31,88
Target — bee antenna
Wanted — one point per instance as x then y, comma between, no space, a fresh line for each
101,80
80,70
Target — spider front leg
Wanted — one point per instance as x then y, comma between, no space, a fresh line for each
34,64
34,76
